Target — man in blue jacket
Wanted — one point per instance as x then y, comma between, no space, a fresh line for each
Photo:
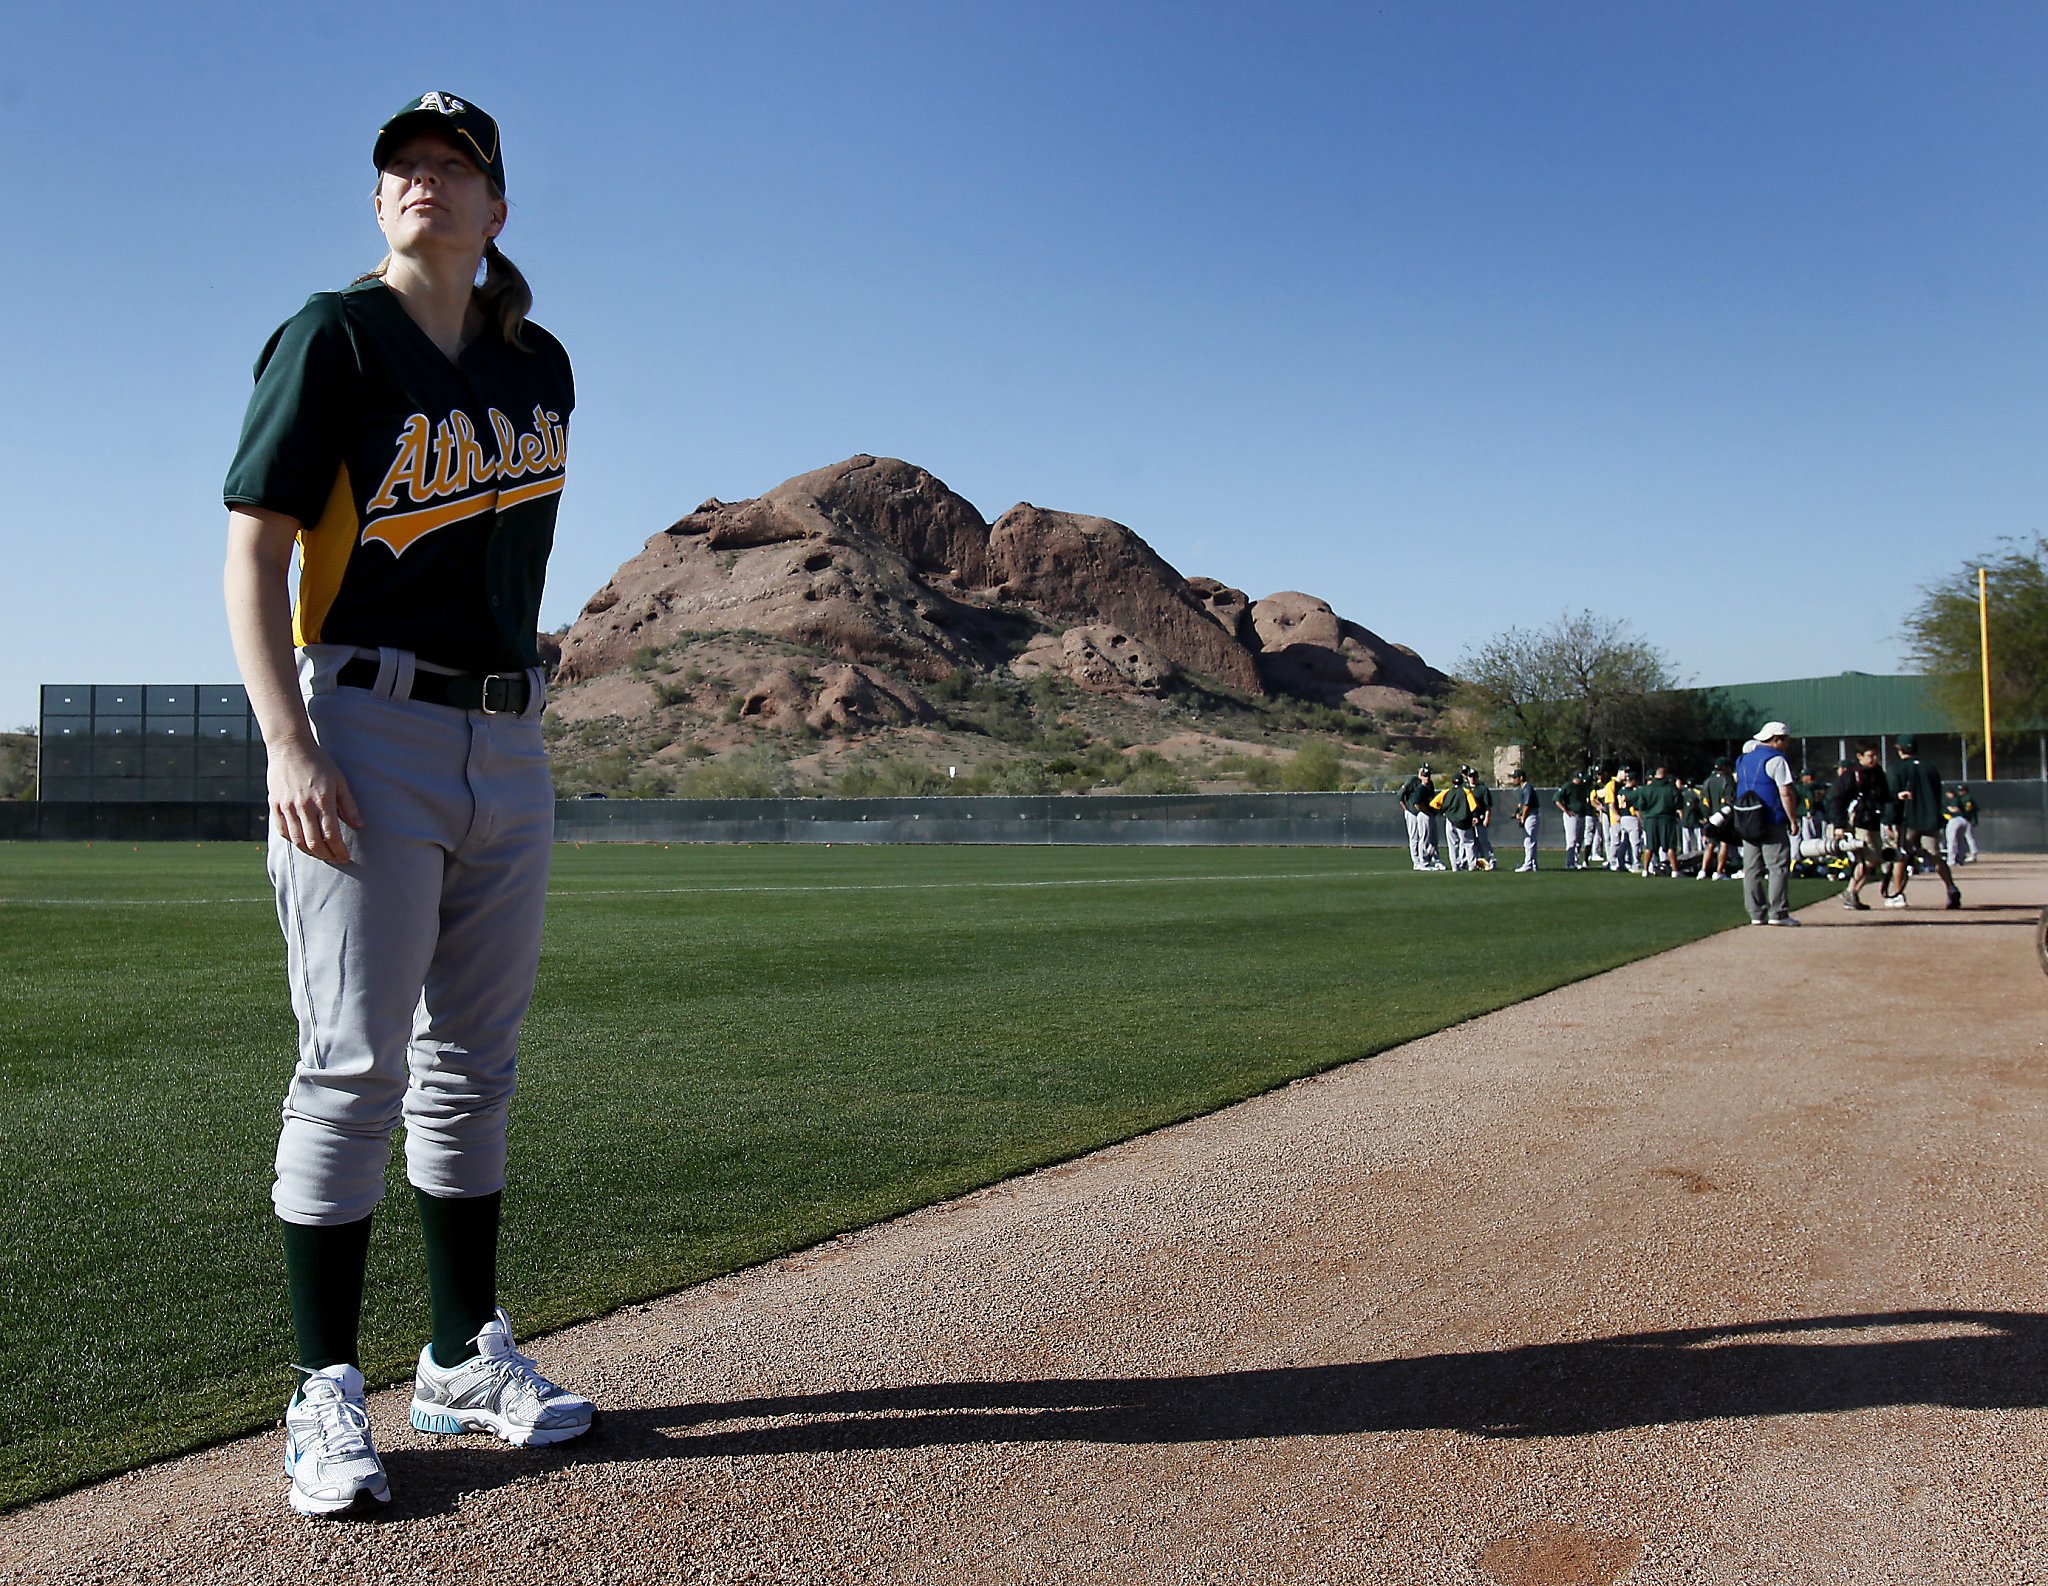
1763,779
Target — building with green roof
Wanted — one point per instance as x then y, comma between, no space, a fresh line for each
1828,716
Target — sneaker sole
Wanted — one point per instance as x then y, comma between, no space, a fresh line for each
313,1508
439,1421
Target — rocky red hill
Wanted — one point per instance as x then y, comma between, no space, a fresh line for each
875,562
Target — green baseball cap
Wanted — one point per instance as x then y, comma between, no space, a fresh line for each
456,119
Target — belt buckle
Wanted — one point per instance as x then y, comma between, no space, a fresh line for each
504,693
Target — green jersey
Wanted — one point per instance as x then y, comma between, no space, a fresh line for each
1916,788
425,488
1655,799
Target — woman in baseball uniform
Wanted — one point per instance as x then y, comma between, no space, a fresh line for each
407,435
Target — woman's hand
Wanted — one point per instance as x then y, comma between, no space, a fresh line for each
311,803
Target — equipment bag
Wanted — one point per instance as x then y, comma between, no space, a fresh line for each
1753,823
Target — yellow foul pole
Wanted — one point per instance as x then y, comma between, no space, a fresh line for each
1984,651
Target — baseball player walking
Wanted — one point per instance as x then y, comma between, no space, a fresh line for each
407,433
1916,789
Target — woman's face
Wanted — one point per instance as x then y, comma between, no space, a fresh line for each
432,197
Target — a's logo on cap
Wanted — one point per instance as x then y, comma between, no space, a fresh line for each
446,104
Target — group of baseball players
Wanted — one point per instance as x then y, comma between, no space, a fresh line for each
1662,825
1464,807
1611,820
1888,824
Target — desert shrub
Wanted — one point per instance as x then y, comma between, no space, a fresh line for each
892,779
1257,770
1162,777
601,773
1057,739
671,693
1308,715
743,774
645,657
1015,778
1047,695
1315,768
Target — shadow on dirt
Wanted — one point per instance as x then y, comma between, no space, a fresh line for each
1809,1366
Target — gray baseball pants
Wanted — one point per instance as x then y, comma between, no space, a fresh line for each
411,966
1624,843
1767,878
1421,839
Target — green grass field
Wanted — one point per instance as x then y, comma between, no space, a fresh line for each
734,1052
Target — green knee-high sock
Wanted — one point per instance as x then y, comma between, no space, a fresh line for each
323,1268
461,1236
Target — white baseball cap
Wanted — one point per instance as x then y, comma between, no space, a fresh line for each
1772,729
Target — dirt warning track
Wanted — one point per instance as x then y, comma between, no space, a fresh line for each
1728,1266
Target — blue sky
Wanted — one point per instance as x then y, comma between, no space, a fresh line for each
1721,318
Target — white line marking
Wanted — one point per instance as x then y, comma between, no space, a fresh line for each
951,886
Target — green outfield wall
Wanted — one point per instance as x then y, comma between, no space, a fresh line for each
2013,819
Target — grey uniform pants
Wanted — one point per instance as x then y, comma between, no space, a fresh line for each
1773,860
1529,840
411,966
1575,840
1421,839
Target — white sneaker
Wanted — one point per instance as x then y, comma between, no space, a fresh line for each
1896,901
497,1390
327,1451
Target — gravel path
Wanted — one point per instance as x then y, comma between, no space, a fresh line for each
1723,1267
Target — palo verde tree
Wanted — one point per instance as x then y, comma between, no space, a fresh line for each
1943,635
1582,690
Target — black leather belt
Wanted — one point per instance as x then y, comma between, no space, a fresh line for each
493,693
